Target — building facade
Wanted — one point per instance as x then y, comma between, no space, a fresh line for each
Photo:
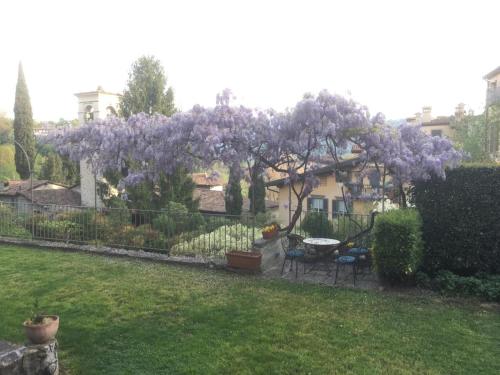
440,126
492,112
338,184
93,105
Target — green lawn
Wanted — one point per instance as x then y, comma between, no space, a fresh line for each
129,317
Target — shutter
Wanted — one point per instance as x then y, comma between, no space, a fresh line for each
335,207
309,204
325,205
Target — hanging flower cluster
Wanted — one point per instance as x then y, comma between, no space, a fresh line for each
293,142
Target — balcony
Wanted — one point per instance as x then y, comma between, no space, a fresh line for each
492,95
364,192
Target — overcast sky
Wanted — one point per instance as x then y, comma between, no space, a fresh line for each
393,56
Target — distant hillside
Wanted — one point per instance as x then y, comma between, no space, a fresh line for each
395,123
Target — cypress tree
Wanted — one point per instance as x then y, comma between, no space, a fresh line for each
259,188
23,126
233,197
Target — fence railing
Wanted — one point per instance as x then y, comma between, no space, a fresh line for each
171,232
339,226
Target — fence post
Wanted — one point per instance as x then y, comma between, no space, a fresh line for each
95,208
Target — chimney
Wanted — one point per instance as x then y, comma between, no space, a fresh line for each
418,118
426,114
460,111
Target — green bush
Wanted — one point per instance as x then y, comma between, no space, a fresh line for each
461,226
84,220
483,286
226,238
58,230
316,224
14,231
177,219
398,245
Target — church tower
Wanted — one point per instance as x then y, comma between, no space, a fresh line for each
93,105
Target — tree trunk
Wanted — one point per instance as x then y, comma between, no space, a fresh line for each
296,215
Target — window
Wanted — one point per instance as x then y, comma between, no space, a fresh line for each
339,207
341,176
437,133
110,112
317,204
89,113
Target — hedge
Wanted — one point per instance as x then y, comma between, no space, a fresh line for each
461,220
398,245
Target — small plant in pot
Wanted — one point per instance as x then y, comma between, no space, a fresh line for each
41,328
270,231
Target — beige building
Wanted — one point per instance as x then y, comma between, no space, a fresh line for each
93,105
440,126
328,196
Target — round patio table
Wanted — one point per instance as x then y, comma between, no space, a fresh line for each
322,247
321,243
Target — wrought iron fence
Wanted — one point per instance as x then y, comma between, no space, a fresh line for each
184,234
335,225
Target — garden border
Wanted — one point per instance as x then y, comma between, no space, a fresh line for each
114,252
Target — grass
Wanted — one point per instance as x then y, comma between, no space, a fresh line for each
129,317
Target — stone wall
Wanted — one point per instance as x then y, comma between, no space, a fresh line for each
29,360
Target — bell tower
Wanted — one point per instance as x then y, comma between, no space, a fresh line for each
93,105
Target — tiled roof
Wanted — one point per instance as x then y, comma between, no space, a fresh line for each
327,169
17,186
445,120
213,201
64,196
202,179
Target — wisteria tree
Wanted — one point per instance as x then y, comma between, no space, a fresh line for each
292,142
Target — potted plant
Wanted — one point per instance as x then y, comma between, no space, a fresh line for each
270,231
248,260
41,328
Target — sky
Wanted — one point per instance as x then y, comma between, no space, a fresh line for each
393,56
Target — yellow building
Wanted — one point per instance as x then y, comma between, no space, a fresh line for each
441,126
336,180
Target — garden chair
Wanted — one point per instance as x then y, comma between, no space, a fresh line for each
293,248
343,260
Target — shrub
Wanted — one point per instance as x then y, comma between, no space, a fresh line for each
58,230
316,224
84,220
486,287
398,245
461,226
226,238
176,219
14,231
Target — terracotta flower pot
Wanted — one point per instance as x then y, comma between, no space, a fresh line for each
42,333
269,235
247,260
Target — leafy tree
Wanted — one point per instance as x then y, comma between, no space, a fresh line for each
7,164
5,129
52,169
471,134
290,142
23,126
233,197
258,187
146,89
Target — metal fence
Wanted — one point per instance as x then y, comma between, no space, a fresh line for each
175,233
339,226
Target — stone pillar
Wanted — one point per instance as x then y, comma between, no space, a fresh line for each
29,360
